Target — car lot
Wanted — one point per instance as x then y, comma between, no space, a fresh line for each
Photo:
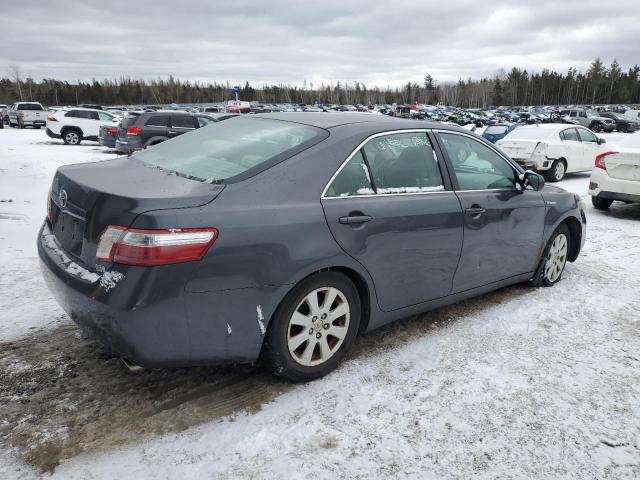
517,383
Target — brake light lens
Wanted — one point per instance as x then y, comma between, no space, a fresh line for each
147,248
600,160
51,118
49,208
112,131
134,131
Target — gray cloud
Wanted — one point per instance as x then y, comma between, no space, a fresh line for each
376,42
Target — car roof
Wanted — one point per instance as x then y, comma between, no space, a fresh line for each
338,119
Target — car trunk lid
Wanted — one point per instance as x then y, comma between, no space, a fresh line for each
86,198
624,165
519,148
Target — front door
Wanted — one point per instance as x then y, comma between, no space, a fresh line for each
390,209
503,224
181,124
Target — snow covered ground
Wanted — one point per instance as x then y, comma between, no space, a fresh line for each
520,383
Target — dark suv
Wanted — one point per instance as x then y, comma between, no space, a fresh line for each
141,130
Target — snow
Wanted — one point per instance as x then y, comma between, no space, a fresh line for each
519,383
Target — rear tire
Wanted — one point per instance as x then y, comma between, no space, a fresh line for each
554,258
557,171
313,328
601,203
71,137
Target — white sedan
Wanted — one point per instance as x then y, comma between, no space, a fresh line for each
553,149
615,176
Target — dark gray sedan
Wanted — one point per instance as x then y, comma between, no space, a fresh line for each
282,237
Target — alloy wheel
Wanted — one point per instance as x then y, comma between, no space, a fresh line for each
72,138
556,258
559,171
318,326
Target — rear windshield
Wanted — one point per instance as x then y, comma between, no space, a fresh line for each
30,106
496,130
223,150
128,120
534,133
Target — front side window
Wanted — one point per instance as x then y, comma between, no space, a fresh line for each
587,136
352,180
476,166
204,121
231,148
403,163
105,117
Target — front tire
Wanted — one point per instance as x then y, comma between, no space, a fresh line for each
557,171
314,328
554,258
601,203
596,127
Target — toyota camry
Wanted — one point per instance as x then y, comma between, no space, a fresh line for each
282,237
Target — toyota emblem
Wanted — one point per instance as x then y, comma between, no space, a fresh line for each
62,198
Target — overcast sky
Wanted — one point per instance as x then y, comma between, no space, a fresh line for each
375,42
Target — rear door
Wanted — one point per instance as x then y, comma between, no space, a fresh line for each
503,224
391,208
181,123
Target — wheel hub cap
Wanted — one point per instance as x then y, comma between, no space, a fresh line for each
318,326
556,258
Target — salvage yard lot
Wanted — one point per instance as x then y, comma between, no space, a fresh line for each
520,383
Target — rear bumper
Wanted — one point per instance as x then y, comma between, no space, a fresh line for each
148,316
52,134
603,186
108,141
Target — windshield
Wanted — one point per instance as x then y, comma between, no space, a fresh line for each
496,130
534,133
226,149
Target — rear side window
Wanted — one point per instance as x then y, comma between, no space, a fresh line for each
182,121
157,121
237,146
403,163
496,130
93,116
570,135
352,180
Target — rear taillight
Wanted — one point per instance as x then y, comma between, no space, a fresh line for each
51,118
49,208
133,246
134,131
600,160
112,131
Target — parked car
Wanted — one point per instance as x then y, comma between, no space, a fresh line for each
73,125
107,135
632,115
590,119
622,123
270,237
24,114
553,149
4,117
498,131
615,177
137,132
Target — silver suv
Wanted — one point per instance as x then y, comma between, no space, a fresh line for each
590,119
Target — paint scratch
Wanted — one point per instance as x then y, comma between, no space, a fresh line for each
261,319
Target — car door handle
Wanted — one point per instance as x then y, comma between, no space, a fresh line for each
355,219
475,211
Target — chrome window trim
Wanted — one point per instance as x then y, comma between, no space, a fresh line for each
362,144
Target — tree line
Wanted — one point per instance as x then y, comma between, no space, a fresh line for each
598,85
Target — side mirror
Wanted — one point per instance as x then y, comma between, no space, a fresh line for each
535,180
601,141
